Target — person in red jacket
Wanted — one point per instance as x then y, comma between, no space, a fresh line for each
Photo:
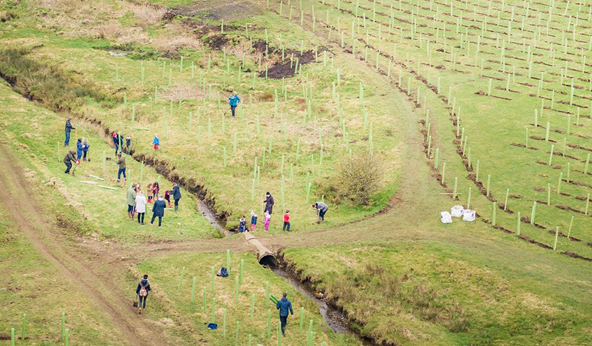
286,221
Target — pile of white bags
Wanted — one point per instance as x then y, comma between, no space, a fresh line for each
457,211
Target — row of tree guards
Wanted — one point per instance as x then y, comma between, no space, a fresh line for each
464,139
209,305
64,332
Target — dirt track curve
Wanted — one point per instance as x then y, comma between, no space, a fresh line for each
43,233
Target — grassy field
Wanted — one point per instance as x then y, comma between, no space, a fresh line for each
484,104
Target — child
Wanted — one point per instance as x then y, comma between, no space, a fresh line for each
267,220
156,141
128,143
167,197
286,221
148,192
242,225
85,147
253,220
155,190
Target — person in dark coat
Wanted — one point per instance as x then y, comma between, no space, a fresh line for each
142,291
68,128
128,144
69,159
116,138
176,195
268,203
285,306
158,211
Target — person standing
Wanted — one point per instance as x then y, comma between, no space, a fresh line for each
142,291
69,128
158,211
285,306
131,201
85,147
253,220
68,160
140,206
115,138
321,210
79,147
156,141
121,164
286,221
176,195
269,202
128,144
233,101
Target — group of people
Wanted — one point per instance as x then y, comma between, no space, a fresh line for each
320,207
118,143
137,201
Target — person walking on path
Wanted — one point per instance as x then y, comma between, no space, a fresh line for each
269,202
176,195
85,147
140,206
285,306
156,141
68,128
321,210
286,221
121,164
79,147
158,211
233,101
131,201
142,291
68,160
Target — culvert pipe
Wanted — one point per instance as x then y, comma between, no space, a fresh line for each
264,255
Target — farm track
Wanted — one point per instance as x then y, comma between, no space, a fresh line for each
87,271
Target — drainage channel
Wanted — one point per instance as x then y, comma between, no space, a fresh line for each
206,212
334,318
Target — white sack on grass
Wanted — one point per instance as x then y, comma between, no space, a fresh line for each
468,215
457,211
445,217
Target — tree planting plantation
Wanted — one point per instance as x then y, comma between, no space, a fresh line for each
403,172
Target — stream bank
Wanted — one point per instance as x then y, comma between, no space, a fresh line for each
333,315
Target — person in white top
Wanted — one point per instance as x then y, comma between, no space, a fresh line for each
141,206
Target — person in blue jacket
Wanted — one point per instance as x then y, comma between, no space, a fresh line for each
85,147
158,211
69,128
79,148
176,196
285,306
142,291
233,101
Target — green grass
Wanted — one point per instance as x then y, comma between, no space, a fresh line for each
413,293
470,284
166,270
104,209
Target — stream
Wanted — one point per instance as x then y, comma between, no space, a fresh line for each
334,318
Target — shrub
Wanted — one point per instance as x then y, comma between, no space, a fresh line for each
360,176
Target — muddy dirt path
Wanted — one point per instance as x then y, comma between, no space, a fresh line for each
85,275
